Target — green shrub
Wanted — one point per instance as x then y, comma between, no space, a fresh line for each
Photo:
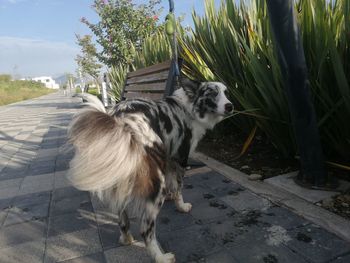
5,77
233,44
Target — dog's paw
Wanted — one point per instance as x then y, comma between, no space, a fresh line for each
166,258
184,207
126,239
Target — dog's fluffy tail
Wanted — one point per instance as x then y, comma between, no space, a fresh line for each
94,102
111,157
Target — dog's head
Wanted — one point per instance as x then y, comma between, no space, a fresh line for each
209,100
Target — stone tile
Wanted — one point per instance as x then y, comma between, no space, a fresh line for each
254,243
71,204
11,183
276,215
286,182
110,234
3,214
24,232
316,244
169,219
37,183
94,258
210,210
342,259
189,244
9,192
245,201
42,170
61,180
23,214
65,192
28,252
62,165
220,257
132,254
103,214
10,174
72,245
71,222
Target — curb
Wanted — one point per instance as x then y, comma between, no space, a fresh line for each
325,219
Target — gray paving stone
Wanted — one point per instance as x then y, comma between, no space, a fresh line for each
23,214
189,244
220,257
24,232
342,259
132,254
94,258
276,215
71,222
103,214
254,243
316,244
60,180
65,192
169,219
11,183
71,204
245,201
37,183
72,245
110,234
3,214
9,192
28,252
210,210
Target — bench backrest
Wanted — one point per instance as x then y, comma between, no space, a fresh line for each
154,82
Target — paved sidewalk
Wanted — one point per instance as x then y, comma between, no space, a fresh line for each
44,219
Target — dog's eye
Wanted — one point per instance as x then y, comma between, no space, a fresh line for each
213,93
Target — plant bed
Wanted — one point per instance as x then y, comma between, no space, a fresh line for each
260,158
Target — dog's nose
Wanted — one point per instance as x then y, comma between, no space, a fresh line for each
228,108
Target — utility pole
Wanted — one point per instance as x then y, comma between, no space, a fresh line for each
293,65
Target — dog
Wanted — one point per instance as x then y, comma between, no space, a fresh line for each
136,154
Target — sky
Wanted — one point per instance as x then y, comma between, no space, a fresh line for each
37,37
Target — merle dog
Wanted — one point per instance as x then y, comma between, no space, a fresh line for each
135,154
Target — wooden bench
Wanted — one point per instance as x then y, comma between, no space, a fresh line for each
153,82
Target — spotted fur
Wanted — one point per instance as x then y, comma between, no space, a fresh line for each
137,153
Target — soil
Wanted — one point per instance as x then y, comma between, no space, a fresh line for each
262,158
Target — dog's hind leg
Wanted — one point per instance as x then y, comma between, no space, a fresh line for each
125,236
148,226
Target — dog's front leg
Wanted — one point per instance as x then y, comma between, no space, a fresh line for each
179,201
180,204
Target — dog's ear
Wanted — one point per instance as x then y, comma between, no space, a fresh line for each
190,86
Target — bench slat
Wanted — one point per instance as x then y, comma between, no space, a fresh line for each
152,96
157,77
148,87
151,69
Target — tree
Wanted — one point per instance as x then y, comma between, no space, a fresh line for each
87,60
121,29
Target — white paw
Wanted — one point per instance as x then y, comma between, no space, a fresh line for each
166,258
126,239
185,207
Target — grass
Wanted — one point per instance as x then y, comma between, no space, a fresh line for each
18,90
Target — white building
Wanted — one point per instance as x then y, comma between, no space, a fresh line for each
48,81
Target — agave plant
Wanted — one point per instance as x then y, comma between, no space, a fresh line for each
155,49
234,44
117,77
